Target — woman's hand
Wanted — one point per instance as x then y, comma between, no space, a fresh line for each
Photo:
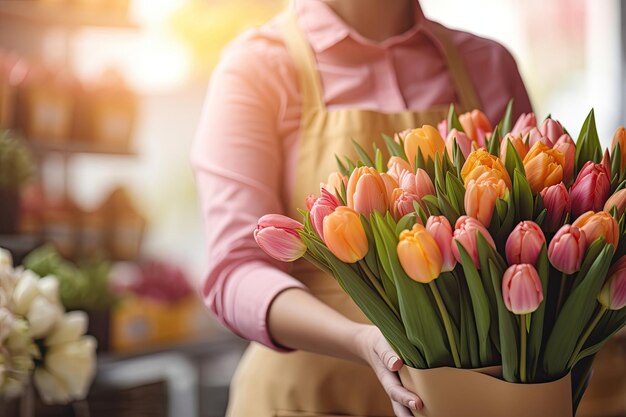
375,351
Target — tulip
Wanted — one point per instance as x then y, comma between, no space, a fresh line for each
428,140
465,231
419,183
476,126
396,166
600,224
518,144
440,229
551,129
534,136
617,200
344,235
402,203
419,254
366,191
556,200
619,137
566,145
334,183
481,196
544,167
613,293
442,128
323,206
399,136
521,289
390,184
278,236
481,161
524,243
591,189
465,143
310,200
567,249
524,123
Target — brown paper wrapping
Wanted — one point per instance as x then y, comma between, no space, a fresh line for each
451,392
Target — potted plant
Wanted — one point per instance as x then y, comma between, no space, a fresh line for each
16,168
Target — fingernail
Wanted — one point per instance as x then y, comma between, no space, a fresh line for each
392,362
419,405
412,405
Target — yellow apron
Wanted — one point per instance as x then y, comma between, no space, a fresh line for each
299,384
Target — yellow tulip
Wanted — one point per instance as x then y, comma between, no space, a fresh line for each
419,254
344,235
544,166
481,161
428,140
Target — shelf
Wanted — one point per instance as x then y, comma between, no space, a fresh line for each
31,11
78,147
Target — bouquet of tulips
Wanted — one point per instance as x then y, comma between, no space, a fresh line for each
492,247
39,340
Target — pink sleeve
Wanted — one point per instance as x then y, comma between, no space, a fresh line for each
238,164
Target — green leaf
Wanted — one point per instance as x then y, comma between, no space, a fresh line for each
456,192
350,165
485,253
432,204
447,210
592,253
575,315
541,217
342,168
507,120
522,197
535,334
453,120
406,222
480,304
343,194
513,160
362,154
420,162
616,161
469,339
508,329
588,146
394,148
494,142
380,166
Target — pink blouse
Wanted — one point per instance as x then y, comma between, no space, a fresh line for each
247,141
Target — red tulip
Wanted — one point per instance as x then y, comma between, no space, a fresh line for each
465,231
323,206
440,229
278,236
566,145
557,203
591,189
613,293
521,289
524,243
567,249
524,123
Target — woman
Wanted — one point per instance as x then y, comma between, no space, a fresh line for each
284,100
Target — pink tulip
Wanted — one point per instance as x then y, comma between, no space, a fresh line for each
524,123
390,184
278,236
551,129
567,249
440,229
613,293
524,243
419,183
521,289
591,189
402,203
335,180
557,203
465,143
600,224
396,166
465,231
566,145
310,200
366,191
442,127
534,136
323,206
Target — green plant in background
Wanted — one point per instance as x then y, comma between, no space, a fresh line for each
16,163
82,286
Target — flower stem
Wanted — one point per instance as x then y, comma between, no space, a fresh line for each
523,343
317,263
585,336
446,323
378,287
561,298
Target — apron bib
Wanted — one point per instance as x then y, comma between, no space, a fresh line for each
303,384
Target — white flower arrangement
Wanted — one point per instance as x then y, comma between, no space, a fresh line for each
39,339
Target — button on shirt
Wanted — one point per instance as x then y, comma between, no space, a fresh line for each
246,146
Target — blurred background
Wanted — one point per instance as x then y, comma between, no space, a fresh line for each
103,97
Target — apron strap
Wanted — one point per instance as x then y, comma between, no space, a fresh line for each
304,60
464,87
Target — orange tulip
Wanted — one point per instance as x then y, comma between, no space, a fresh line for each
518,143
428,140
390,184
619,137
396,166
600,224
333,185
419,254
617,200
344,235
366,191
481,161
544,166
476,126
481,196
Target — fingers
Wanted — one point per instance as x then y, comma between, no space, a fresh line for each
394,388
388,357
400,411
